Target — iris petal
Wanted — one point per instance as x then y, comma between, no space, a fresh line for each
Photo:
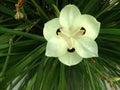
67,16
56,46
70,59
91,25
50,28
86,47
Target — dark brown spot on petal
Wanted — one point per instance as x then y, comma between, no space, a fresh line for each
82,28
71,50
58,31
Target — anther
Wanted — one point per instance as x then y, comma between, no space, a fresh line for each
71,50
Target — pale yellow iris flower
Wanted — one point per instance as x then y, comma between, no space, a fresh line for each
71,37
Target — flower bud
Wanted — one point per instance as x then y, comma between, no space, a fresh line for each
19,15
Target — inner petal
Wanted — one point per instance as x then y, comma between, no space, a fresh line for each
68,15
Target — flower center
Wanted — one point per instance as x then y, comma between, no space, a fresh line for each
69,36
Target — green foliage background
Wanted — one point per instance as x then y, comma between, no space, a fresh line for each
22,48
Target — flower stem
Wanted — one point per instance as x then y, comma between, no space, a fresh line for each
111,4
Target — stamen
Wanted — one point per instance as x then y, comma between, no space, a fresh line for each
71,50
84,30
58,31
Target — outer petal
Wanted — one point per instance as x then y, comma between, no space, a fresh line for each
70,58
56,46
86,47
50,28
91,25
67,16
